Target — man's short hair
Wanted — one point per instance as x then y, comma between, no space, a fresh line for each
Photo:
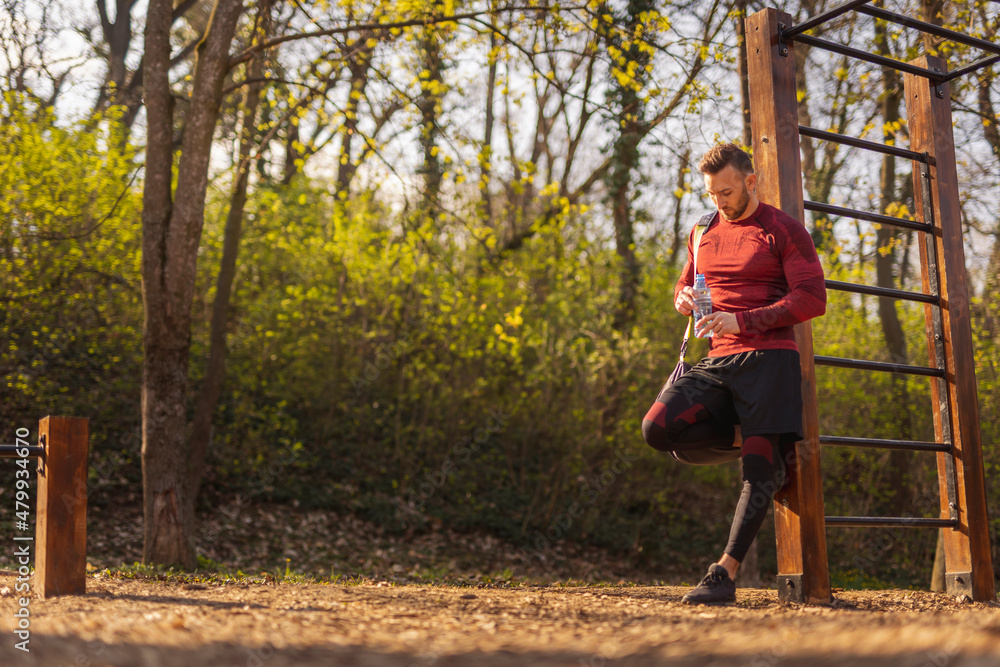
719,157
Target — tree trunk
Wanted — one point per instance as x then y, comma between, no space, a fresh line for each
741,14
990,313
215,372
820,166
749,572
291,167
938,584
678,244
172,223
630,112
120,85
359,66
117,36
630,116
885,261
486,153
629,273
932,11
429,107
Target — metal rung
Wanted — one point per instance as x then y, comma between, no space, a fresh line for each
882,291
929,28
882,61
862,143
819,19
10,451
971,67
909,445
864,215
898,521
861,364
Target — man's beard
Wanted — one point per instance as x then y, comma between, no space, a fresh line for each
740,207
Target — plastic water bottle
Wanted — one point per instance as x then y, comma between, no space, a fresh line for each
702,301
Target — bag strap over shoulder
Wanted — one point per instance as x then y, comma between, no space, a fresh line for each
687,334
699,230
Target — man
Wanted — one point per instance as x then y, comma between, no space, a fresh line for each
764,275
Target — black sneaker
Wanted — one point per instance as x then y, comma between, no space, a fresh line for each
715,587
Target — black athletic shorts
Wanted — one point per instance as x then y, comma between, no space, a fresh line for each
760,390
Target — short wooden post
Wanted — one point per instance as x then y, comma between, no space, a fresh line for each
61,524
968,568
800,525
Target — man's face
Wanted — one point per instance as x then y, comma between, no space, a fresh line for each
730,191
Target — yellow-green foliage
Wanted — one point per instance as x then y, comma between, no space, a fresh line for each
70,301
409,369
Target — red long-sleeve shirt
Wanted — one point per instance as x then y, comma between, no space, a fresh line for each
766,271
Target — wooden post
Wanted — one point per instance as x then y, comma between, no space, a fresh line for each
61,525
800,526
968,568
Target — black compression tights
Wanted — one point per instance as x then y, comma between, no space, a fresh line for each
687,430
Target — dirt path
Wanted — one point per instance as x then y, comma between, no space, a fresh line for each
159,624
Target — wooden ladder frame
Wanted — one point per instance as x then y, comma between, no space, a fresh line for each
800,524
